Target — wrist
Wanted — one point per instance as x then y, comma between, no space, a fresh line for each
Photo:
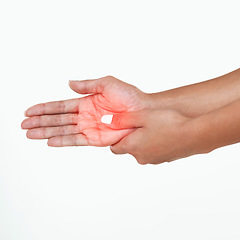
160,100
199,133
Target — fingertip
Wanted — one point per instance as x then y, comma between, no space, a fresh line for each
70,81
28,135
33,134
29,112
22,124
122,121
118,149
54,142
116,121
112,149
73,85
50,143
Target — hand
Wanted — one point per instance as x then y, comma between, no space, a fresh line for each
76,122
159,135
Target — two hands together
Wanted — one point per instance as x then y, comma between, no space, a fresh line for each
154,128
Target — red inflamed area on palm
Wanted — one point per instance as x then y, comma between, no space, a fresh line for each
77,122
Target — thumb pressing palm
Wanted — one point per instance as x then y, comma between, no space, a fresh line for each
77,122
159,135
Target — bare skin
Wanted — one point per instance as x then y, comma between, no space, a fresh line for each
167,135
159,136
154,128
76,122
200,98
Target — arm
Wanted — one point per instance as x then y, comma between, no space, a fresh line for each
76,122
218,128
166,135
200,98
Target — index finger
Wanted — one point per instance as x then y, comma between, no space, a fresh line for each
56,107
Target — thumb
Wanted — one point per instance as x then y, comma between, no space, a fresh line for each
87,86
126,120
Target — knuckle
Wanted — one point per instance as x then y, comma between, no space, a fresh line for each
37,121
109,78
76,140
73,119
131,146
45,133
61,106
62,131
208,150
117,121
58,119
43,107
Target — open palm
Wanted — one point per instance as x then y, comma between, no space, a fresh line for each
77,122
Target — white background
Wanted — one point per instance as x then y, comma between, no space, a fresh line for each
89,193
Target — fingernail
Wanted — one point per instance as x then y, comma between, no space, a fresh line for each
107,119
25,113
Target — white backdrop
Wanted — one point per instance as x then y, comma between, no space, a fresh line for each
88,192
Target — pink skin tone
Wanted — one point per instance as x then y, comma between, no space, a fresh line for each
77,122
159,136
154,128
181,122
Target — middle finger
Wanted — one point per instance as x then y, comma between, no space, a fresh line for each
49,121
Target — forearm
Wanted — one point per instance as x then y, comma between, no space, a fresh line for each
216,129
200,98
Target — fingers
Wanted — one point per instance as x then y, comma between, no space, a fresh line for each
71,140
127,120
131,144
66,106
118,149
49,121
128,144
44,133
89,86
